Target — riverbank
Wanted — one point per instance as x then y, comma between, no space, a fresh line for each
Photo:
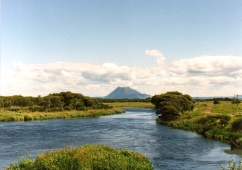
136,130
221,122
9,116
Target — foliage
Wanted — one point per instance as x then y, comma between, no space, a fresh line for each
236,101
52,102
224,125
172,104
88,157
237,125
216,101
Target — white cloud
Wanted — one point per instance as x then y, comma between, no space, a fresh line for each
214,65
199,76
160,59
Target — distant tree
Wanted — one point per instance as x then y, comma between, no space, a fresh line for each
216,101
172,104
88,102
236,101
56,103
52,102
1,102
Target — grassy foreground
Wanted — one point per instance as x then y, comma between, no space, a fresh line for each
7,116
222,121
88,157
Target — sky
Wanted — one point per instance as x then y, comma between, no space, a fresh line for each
92,47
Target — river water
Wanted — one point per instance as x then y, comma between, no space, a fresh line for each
136,129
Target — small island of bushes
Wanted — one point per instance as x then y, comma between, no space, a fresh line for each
88,157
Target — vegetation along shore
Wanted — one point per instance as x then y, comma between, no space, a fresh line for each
219,119
86,157
54,106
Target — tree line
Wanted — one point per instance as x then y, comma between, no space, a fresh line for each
107,100
52,102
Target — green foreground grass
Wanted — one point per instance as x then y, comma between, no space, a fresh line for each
222,121
88,157
7,116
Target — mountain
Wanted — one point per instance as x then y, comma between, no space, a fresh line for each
126,93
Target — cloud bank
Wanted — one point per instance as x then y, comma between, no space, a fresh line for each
199,76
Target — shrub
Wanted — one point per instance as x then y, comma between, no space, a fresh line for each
216,101
237,125
88,157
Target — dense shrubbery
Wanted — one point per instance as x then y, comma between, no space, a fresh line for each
216,101
172,104
88,157
52,102
237,125
236,101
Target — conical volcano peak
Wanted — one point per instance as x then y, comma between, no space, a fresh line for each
126,93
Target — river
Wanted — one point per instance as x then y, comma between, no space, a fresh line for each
136,129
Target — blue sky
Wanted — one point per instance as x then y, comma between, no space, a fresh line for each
157,37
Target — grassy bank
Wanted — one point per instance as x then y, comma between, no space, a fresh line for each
88,157
131,104
222,121
7,116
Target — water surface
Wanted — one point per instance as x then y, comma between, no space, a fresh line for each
137,129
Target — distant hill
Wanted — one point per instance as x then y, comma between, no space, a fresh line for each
126,93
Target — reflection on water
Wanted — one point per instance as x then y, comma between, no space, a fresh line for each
136,129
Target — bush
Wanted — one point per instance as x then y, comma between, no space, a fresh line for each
170,105
88,157
237,125
216,101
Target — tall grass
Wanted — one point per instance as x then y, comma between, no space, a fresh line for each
88,157
7,116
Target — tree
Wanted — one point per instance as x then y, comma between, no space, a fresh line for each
216,101
172,104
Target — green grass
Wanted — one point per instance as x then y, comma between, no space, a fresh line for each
227,108
88,157
7,116
131,104
213,121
